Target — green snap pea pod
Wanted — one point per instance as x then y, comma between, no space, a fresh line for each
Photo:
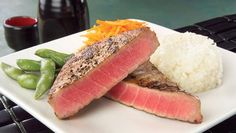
57,57
11,71
28,65
47,72
28,81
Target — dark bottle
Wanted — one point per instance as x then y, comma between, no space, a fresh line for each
58,18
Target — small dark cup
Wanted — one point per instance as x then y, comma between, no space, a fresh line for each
21,32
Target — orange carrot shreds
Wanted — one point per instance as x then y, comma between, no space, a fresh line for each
106,29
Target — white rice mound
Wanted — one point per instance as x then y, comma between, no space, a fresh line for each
190,60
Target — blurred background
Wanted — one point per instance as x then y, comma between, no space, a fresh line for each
172,14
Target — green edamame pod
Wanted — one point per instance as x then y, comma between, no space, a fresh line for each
11,71
28,65
28,81
47,72
57,57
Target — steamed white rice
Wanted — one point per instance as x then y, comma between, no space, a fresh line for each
190,60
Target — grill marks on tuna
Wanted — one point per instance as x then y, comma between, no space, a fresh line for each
148,89
90,73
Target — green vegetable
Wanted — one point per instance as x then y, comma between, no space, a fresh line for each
28,81
11,71
47,71
28,65
57,57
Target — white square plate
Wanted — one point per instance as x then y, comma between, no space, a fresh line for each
105,116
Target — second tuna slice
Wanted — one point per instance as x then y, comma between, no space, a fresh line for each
148,89
92,72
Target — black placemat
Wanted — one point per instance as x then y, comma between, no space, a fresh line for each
13,119
222,30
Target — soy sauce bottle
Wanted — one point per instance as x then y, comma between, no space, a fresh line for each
58,18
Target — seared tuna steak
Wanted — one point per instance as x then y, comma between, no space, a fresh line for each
90,73
149,90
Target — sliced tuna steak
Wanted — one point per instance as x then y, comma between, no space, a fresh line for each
149,90
90,73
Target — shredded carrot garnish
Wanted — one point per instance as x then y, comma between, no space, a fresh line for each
106,29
